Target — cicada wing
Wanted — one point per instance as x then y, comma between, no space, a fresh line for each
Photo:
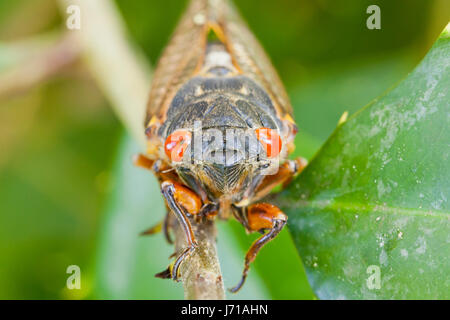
185,53
179,59
250,57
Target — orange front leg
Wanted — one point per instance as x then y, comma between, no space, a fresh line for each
284,175
261,217
142,161
162,170
182,202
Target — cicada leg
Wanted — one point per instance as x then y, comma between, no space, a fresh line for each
266,219
285,173
142,161
165,226
152,230
160,226
208,211
182,202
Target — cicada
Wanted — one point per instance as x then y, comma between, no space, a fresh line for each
219,128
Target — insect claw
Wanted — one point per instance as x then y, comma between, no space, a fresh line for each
261,217
166,274
179,260
152,230
173,270
239,285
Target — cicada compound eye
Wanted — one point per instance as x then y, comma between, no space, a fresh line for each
176,144
271,141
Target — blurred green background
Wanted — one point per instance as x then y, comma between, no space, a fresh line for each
68,191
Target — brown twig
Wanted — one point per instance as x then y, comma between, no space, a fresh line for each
200,272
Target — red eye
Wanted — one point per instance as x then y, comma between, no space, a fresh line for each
270,140
176,143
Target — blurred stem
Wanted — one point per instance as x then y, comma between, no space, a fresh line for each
40,58
122,73
124,77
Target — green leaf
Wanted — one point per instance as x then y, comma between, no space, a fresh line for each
375,197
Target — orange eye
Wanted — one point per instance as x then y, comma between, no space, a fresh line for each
271,141
176,143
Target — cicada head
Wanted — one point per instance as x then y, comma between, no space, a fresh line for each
223,136
225,162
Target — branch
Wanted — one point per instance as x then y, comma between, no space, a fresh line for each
200,272
124,78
